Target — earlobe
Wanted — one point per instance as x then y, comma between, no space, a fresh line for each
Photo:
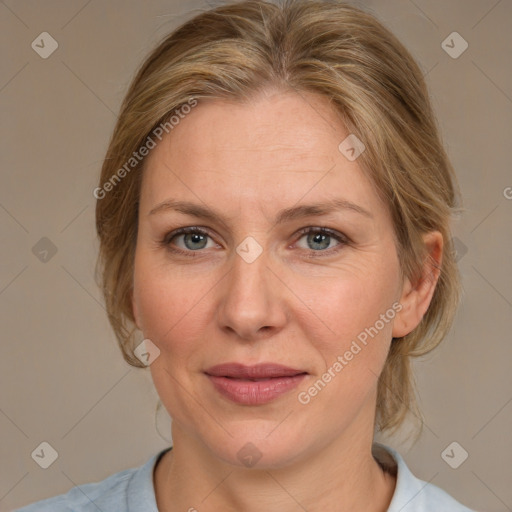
417,295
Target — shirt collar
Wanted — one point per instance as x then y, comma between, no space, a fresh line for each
141,491
140,495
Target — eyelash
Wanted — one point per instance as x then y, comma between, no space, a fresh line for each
342,239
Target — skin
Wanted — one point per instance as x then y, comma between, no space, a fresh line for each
248,162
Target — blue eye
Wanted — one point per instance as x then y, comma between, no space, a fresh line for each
319,239
193,238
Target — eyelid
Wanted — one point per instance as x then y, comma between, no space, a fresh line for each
341,237
186,230
166,242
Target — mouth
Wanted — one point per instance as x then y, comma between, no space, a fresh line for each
254,385
256,372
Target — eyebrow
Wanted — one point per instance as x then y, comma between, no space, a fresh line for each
286,215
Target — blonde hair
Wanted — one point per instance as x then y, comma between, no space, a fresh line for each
335,50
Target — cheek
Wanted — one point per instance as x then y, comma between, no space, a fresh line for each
171,305
351,343
346,304
172,308
351,331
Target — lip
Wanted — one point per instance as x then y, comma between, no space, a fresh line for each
257,371
236,382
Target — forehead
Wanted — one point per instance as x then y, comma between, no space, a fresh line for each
276,149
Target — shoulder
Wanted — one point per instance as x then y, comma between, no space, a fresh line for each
131,490
112,490
411,493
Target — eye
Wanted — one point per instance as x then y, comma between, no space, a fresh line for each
193,238
319,239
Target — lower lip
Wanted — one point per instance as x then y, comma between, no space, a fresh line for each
250,392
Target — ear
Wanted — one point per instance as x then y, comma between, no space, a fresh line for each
416,296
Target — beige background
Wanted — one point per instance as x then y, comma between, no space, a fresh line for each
62,378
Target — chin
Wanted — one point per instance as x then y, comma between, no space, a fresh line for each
257,450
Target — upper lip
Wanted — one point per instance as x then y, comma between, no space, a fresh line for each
258,371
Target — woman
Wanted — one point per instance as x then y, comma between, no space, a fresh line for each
274,217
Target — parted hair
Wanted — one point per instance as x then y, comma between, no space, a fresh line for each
237,50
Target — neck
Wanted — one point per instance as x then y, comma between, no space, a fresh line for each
343,476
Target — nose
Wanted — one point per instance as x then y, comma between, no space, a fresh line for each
252,299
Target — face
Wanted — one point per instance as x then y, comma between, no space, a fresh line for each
260,283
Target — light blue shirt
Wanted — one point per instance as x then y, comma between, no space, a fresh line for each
132,490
